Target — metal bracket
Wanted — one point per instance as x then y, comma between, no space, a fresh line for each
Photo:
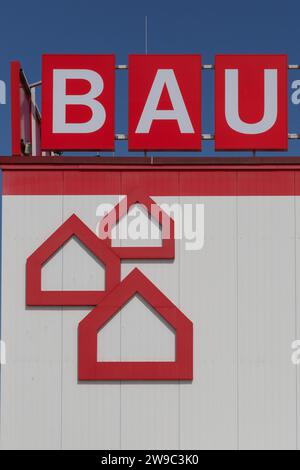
294,136
204,136
36,84
2,92
125,67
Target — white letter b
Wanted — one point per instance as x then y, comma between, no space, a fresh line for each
61,100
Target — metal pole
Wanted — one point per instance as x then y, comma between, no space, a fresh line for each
36,84
146,34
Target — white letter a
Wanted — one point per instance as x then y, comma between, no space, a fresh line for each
165,77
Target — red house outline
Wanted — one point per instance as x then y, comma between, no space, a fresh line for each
71,227
166,251
135,283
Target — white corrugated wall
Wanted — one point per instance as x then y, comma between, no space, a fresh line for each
242,293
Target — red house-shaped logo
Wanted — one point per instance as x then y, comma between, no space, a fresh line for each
89,368
166,223
73,227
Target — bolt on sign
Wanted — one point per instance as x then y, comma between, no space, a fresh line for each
78,102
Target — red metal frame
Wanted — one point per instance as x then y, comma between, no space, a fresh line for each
166,251
135,283
147,163
19,82
72,227
15,107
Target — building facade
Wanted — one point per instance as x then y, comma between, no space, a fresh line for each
239,288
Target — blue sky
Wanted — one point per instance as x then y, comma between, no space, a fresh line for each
29,29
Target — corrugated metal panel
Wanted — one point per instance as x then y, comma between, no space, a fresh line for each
90,412
266,328
241,292
31,379
208,293
150,411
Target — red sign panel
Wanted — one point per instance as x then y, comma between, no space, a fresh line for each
251,103
78,97
164,102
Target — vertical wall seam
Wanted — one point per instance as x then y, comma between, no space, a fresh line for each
237,315
120,397
61,321
180,306
1,277
296,308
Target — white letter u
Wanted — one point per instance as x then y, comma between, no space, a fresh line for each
232,103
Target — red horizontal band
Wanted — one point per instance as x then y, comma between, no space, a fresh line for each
200,181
